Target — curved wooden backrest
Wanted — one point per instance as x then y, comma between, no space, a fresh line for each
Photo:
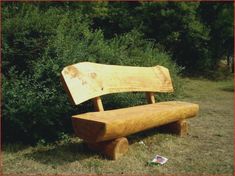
85,80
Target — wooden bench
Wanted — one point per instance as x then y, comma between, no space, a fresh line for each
105,131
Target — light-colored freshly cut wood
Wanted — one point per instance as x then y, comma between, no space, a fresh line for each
98,105
85,80
150,97
112,124
112,149
179,127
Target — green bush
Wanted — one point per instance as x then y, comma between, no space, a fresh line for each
37,44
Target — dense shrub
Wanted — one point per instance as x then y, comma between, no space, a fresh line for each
37,44
197,34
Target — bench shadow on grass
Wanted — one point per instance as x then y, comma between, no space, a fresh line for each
137,137
71,152
61,154
228,89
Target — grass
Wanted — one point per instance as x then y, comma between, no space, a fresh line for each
207,149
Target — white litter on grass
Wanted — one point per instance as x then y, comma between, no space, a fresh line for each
142,142
159,160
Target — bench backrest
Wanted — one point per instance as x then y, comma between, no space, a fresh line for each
85,80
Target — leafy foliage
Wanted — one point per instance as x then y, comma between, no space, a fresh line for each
38,41
219,18
197,34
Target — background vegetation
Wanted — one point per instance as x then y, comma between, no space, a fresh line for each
39,39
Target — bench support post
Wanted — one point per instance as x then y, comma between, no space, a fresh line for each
98,104
150,97
112,149
179,128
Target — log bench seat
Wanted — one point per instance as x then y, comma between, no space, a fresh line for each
106,131
106,125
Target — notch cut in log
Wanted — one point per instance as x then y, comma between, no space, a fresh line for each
179,128
112,149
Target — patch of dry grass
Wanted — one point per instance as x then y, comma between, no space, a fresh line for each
208,148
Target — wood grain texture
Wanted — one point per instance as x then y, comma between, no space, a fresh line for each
87,80
150,97
113,149
179,128
98,105
112,124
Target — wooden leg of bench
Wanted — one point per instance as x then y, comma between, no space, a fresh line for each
112,149
179,128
